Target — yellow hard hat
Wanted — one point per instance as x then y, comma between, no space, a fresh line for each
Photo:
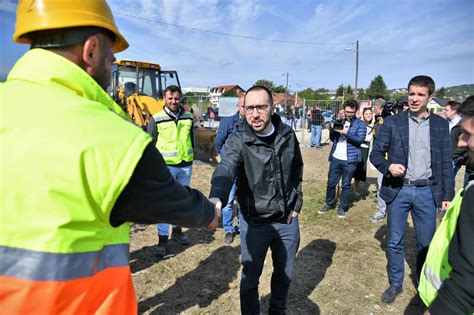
39,15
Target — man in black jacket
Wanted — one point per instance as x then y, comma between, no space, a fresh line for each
459,154
266,158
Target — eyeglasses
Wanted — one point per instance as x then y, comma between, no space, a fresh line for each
260,108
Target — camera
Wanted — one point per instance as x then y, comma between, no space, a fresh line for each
338,124
389,109
402,102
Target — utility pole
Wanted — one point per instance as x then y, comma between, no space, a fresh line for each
357,69
356,92
286,96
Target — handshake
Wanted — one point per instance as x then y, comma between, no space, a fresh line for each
217,214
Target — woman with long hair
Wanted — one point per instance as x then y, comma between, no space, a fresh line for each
360,173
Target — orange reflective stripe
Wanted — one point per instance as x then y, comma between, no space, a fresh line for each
107,292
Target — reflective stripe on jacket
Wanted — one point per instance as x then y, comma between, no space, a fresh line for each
61,176
437,268
174,137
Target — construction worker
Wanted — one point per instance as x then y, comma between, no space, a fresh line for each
78,172
172,132
447,279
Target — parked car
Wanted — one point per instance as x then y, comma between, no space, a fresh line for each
329,118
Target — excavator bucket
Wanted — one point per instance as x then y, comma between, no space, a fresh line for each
204,149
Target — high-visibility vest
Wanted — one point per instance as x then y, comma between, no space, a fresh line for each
67,152
174,137
437,268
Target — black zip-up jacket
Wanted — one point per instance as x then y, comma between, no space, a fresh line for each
459,154
270,176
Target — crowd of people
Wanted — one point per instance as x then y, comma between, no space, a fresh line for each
71,186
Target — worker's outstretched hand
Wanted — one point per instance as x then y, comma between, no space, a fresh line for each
217,214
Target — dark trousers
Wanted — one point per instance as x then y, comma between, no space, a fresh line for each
255,238
338,169
423,211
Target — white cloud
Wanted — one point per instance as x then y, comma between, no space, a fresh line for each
8,5
391,36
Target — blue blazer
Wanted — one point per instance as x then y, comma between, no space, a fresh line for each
355,137
392,138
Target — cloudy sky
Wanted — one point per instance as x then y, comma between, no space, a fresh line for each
211,42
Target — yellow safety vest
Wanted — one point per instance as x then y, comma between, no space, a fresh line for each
437,268
62,172
174,137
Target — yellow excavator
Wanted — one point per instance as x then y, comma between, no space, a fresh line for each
138,88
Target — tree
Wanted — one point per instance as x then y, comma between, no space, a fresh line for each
397,95
377,88
321,94
441,92
345,92
306,94
279,89
340,90
361,95
191,98
349,93
310,94
269,85
230,93
265,83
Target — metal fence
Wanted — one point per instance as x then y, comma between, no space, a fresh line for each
202,102
325,105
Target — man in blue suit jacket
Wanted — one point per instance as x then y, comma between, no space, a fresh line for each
418,176
344,156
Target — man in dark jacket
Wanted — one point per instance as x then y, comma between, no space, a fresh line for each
266,158
317,121
459,154
418,176
227,128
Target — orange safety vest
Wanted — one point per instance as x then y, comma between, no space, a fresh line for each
60,179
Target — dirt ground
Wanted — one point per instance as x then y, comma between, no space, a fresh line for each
340,265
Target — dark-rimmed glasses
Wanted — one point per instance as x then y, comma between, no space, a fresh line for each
260,108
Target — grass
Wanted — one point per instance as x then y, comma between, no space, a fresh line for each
340,267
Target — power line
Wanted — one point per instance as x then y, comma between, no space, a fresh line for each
229,34
326,61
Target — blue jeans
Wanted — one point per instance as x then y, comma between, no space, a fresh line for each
316,132
423,211
255,239
228,211
182,176
338,169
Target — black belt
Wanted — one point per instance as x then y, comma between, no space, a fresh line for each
419,182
